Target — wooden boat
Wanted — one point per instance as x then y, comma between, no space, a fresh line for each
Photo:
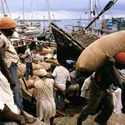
119,23
68,46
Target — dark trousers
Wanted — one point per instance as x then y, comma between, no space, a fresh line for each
1,123
59,99
18,98
95,97
29,70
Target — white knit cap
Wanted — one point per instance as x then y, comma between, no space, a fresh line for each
42,72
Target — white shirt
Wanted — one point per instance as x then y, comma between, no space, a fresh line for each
1,105
28,55
10,52
46,107
6,94
85,86
15,34
61,75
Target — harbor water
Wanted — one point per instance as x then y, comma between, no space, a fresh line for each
66,24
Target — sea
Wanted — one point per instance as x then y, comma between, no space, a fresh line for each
68,24
62,18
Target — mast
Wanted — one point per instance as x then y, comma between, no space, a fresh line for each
7,7
32,9
91,9
23,12
48,10
107,7
2,3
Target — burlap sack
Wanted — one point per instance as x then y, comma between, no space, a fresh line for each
94,55
39,57
22,68
46,66
20,74
55,61
48,50
37,66
40,72
36,72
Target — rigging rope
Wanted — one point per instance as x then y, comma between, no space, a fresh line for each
107,7
99,5
4,3
7,7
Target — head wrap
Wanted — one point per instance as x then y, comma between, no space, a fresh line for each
7,23
120,58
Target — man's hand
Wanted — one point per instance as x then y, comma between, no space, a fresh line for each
12,83
21,120
33,100
9,116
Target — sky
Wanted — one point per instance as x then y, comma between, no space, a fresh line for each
67,8
17,5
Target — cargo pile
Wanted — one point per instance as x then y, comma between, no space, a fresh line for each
41,60
84,37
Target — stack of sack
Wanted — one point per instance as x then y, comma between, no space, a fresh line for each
48,50
36,68
26,83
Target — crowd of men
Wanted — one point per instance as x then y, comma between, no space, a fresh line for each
49,90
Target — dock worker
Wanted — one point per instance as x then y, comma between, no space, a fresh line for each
9,60
99,90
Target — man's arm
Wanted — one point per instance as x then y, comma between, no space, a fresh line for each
31,86
49,75
57,86
6,115
117,79
33,99
4,68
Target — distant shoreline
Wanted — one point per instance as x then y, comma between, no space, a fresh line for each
36,20
41,20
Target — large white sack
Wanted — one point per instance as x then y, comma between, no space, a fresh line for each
94,55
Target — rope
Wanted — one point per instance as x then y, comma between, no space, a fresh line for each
7,7
107,7
2,3
99,5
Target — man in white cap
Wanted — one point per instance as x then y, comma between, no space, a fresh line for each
43,92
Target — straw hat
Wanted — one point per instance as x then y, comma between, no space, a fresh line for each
7,23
